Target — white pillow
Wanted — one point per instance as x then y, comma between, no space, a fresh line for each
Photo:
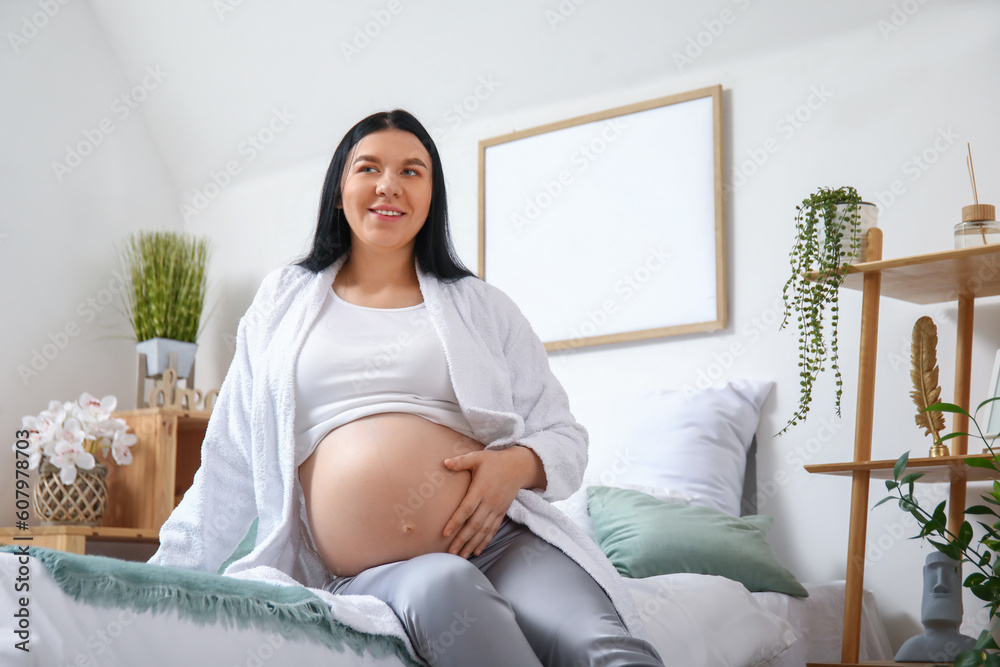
695,442
699,620
576,505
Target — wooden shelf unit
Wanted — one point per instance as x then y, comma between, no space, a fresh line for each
73,538
164,460
961,275
942,469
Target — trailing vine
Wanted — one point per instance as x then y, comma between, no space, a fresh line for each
818,258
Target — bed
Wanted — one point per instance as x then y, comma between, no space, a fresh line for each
667,509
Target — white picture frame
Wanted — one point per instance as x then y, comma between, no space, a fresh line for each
609,227
992,422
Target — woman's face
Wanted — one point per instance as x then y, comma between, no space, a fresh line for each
386,190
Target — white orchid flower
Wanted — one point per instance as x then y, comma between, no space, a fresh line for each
69,434
103,432
34,426
48,420
89,409
68,456
120,447
70,431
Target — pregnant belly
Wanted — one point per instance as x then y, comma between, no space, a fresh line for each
376,490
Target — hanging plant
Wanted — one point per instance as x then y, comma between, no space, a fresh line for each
822,223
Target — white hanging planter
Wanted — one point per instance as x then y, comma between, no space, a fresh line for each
869,219
157,351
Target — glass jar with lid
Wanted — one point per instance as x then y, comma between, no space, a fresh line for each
978,227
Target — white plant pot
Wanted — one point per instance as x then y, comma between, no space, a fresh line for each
157,351
869,219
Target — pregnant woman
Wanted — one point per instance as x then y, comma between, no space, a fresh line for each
392,422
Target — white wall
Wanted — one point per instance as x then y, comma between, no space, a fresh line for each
61,331
879,97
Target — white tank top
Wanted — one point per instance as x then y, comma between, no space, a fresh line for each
359,361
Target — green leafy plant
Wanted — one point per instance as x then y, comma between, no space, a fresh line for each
818,258
984,582
166,281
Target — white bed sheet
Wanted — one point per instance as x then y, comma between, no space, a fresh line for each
819,622
695,620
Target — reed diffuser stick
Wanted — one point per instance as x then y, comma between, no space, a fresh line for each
975,193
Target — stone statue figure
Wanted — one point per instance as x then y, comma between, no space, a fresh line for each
941,614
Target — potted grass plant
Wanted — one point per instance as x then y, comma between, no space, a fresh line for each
166,280
829,225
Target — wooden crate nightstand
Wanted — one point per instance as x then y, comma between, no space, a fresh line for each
164,460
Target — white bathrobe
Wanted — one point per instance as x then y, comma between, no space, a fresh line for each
500,372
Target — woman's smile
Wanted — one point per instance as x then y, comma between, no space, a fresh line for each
389,213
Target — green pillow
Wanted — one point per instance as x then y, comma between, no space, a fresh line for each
644,537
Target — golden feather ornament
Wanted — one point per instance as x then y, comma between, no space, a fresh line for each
924,373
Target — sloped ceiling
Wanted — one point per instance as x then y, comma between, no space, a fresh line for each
228,68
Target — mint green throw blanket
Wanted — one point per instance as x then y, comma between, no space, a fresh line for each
290,611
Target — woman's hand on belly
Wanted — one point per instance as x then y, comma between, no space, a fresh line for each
497,476
377,490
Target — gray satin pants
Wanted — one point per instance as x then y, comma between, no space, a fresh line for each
520,603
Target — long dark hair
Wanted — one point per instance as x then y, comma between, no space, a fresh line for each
432,247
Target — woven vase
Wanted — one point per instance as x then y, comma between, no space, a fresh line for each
82,503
